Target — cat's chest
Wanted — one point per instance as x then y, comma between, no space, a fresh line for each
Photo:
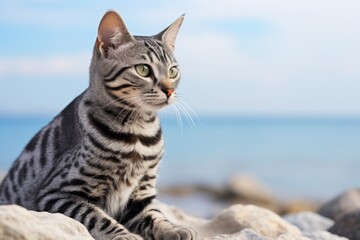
128,181
138,151
117,199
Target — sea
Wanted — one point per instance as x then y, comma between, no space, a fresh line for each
306,158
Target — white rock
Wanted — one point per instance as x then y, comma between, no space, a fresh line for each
249,188
247,222
17,223
289,236
262,221
234,219
309,221
245,234
323,235
249,234
239,222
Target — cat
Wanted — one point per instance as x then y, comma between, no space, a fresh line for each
97,161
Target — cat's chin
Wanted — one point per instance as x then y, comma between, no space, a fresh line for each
159,106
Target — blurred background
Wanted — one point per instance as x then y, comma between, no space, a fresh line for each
273,88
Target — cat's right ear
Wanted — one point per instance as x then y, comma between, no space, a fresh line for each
112,32
168,36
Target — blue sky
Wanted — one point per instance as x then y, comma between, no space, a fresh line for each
287,58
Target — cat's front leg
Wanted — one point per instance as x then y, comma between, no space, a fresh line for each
100,225
144,218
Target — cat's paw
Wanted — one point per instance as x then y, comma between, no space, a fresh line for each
129,236
178,233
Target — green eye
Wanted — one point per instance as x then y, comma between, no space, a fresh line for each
143,70
173,72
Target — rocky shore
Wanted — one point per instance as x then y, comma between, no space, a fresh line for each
254,214
241,189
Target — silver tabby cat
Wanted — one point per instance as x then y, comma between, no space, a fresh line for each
97,160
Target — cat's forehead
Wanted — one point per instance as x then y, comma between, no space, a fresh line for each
145,48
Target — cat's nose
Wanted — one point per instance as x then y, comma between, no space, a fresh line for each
168,91
167,87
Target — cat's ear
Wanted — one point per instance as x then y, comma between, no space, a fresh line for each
168,36
112,32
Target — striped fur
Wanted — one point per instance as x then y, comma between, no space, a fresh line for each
97,161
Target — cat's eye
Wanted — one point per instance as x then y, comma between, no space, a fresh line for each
143,70
173,72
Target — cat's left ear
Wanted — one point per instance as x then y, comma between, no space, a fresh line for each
168,36
112,32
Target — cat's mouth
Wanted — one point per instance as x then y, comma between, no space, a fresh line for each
159,105
158,102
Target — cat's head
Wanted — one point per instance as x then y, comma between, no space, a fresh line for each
135,71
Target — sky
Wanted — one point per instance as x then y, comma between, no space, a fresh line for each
253,57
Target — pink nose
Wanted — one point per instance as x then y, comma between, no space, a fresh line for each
167,87
168,91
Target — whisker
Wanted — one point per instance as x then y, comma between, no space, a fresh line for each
179,119
134,114
186,113
118,100
188,106
139,111
138,100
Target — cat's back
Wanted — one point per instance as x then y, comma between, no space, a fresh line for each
41,157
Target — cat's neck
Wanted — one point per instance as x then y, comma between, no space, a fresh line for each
116,115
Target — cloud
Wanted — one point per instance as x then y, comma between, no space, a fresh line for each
302,58
274,10
309,76
75,15
47,65
50,14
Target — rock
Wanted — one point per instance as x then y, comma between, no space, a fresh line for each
17,223
245,234
234,219
239,222
289,236
1,176
249,234
323,235
248,188
262,221
309,221
186,190
348,226
247,222
296,206
346,202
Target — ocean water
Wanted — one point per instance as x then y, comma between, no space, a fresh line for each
295,158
